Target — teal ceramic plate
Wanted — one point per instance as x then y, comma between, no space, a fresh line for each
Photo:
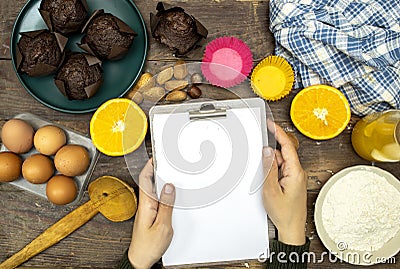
119,76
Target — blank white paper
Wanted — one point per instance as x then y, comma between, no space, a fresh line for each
233,227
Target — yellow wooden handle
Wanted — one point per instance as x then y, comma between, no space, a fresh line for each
53,235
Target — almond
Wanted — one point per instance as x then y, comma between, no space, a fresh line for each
175,85
165,75
180,70
176,96
153,94
144,81
138,98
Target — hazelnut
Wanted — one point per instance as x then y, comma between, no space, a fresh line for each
196,78
194,92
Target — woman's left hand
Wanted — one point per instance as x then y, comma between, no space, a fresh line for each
152,230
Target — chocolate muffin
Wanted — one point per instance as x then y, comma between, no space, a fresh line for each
176,29
64,16
80,76
107,37
40,53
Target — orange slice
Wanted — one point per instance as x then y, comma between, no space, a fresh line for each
118,127
320,112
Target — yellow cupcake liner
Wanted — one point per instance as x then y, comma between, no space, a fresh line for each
272,79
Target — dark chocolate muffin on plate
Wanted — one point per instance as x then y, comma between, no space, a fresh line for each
40,53
64,16
107,37
80,76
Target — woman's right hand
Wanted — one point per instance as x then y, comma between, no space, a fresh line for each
285,189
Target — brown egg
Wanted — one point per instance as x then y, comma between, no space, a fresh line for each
49,139
10,166
17,136
61,190
37,169
72,160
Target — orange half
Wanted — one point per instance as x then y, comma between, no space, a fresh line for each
118,127
320,112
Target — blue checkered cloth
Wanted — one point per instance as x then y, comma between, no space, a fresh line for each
353,45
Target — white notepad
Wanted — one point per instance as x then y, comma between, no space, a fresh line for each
213,222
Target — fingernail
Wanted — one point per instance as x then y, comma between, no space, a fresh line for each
169,188
267,152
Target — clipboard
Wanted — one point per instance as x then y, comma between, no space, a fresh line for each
212,152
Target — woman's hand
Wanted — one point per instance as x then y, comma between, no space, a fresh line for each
152,230
285,189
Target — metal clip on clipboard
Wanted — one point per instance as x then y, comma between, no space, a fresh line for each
207,110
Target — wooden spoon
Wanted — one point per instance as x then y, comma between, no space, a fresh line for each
110,196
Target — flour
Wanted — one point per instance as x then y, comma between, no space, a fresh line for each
362,210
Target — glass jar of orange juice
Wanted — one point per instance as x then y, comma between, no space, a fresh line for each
376,137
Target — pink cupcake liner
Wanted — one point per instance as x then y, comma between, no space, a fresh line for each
227,62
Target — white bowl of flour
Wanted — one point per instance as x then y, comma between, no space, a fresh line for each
357,215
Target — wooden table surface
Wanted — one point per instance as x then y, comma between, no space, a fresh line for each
101,243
